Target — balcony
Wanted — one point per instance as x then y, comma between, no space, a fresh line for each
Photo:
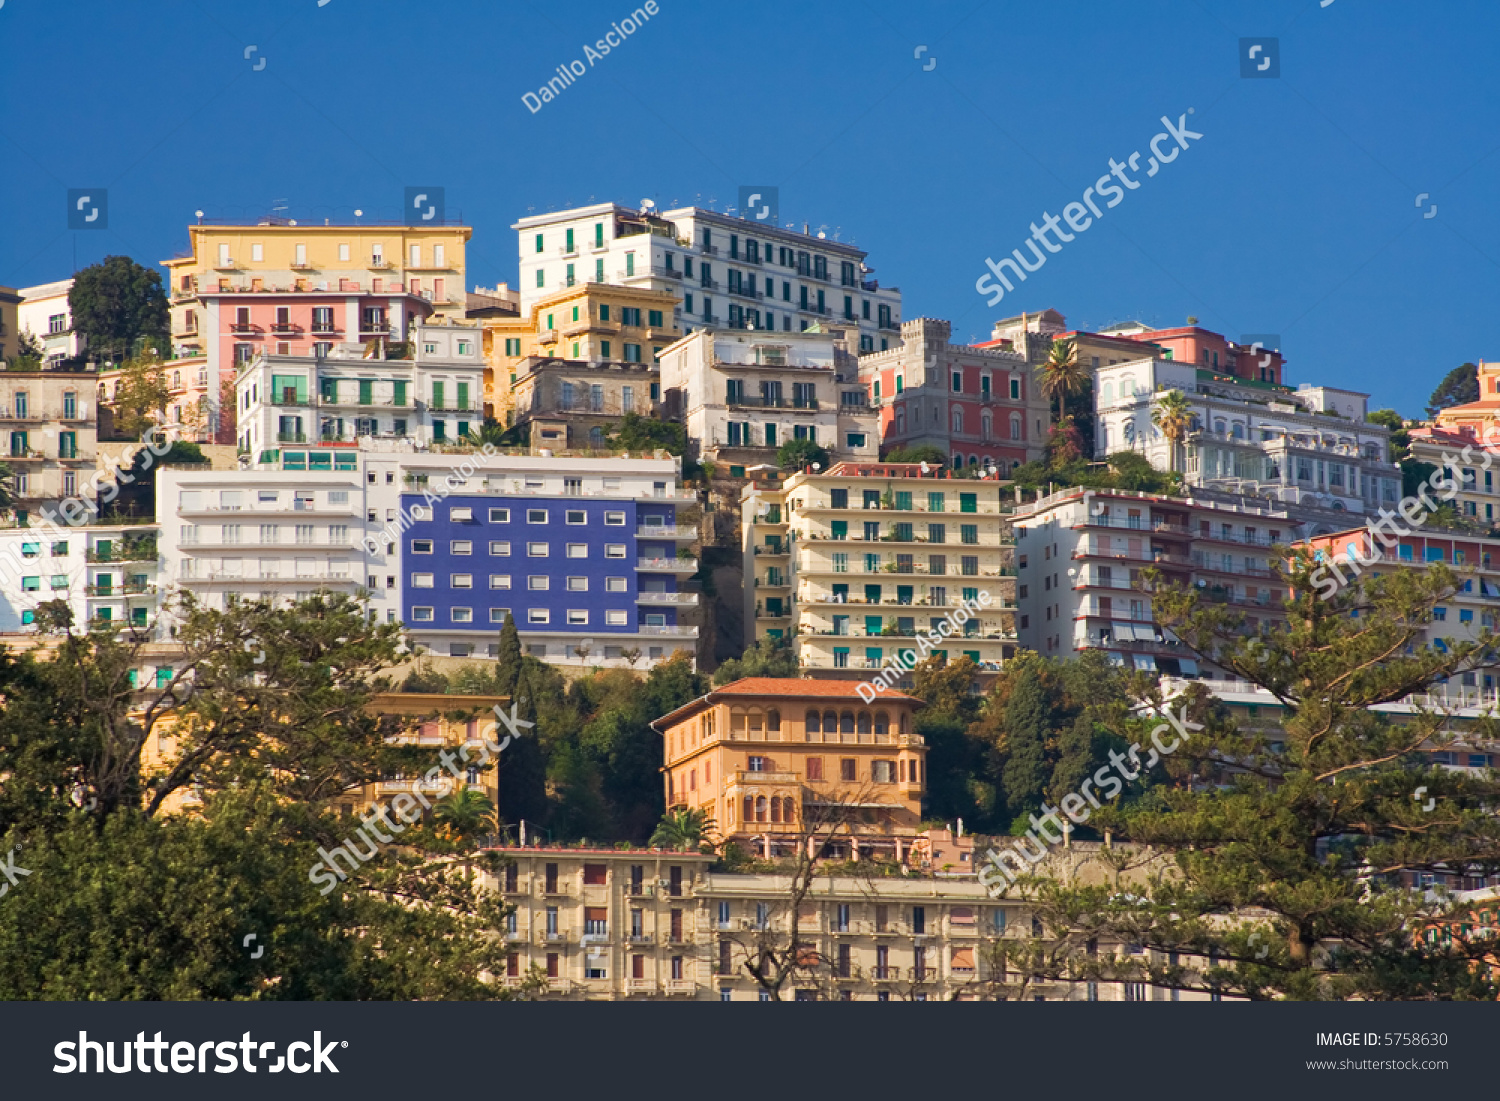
684,599
291,437
667,565
642,938
374,328
665,531
744,776
379,263
677,631
755,402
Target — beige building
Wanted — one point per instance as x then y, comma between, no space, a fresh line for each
857,564
48,421
10,326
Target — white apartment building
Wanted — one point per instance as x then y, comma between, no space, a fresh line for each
853,563
725,270
742,395
44,313
436,395
1310,450
1080,555
106,573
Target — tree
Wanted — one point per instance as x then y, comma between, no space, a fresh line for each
1061,373
958,784
685,829
466,814
1400,437
766,657
1027,734
923,453
800,454
29,352
7,487
1459,387
1172,414
638,433
120,308
1289,841
141,396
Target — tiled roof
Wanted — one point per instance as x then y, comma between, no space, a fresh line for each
798,686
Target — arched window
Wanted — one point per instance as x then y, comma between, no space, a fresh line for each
830,724
846,722
757,726
958,420
775,808
811,724
788,810
1220,426
900,422
202,376
1108,393
903,722
1103,432
596,438
760,808
864,725
773,723
176,380
882,726
1128,432
749,809
973,460
1015,426
1237,430
1127,387
736,724
986,426
958,462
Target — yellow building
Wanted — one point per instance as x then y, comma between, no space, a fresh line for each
1478,419
769,759
590,322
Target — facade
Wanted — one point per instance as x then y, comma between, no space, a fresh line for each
106,574
593,322
10,324
577,404
979,405
1479,419
1309,450
1190,344
332,400
742,395
588,556
50,434
1080,553
44,313
1474,479
296,290
771,759
857,563
725,271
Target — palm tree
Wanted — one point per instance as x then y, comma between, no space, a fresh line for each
467,813
7,487
1174,417
684,828
1062,375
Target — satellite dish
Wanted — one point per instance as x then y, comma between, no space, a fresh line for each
817,467
821,235
648,204
925,467
199,213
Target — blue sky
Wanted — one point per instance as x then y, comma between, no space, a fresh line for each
1295,214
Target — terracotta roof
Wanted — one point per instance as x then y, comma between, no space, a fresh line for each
799,686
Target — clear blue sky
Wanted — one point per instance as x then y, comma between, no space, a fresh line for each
1295,214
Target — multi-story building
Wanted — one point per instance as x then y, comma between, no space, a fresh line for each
105,573
726,271
297,290
773,759
1080,553
1479,419
48,417
978,404
10,324
568,403
742,395
1474,479
588,555
44,312
332,400
1309,450
857,562
595,323
1185,344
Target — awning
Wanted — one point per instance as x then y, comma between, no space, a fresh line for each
1145,662
1189,667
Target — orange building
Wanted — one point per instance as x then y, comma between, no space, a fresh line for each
765,756
1480,419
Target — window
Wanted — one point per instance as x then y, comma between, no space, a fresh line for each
421,615
614,519
421,580
499,549
848,769
578,550
461,580
499,515
615,619
578,616
497,615
614,550
538,615
614,585
576,516
538,582
463,615
460,546
499,580
461,515
537,550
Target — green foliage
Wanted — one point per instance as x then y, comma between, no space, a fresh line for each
685,829
766,657
1400,436
1128,470
638,433
800,454
1459,387
29,352
141,395
120,308
924,453
466,814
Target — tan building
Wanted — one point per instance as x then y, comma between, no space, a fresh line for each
10,325
771,758
593,323
1478,496
860,563
48,421
567,403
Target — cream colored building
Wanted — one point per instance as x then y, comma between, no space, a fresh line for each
857,562
48,421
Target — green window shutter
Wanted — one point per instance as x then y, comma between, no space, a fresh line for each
570,240
439,430
903,501
366,392
437,395
604,311
839,529
399,397
968,502
599,235
873,624
329,388
463,396
604,348
539,246
936,503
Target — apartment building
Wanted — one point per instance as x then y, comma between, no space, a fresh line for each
578,404
50,435
1080,554
1480,419
857,563
590,557
426,390
1201,347
742,395
44,312
1310,450
1474,479
297,290
589,323
105,573
978,404
725,271
772,759
10,325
